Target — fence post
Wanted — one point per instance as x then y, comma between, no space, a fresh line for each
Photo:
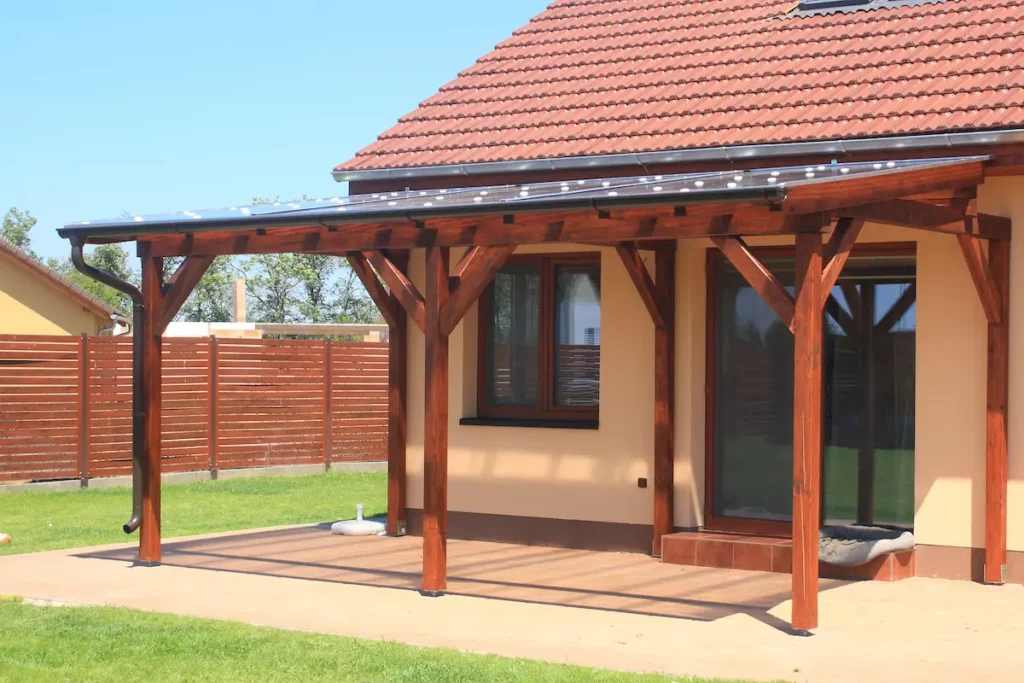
328,379
211,375
83,410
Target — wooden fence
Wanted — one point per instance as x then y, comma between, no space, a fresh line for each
65,404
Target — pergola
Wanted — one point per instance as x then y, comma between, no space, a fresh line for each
376,232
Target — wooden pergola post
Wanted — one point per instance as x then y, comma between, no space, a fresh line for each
398,354
808,329
992,280
658,296
435,432
664,396
152,331
160,303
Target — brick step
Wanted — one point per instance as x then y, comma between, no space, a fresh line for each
770,554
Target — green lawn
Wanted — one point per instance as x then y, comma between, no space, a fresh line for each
113,644
48,520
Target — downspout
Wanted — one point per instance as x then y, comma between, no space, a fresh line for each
138,337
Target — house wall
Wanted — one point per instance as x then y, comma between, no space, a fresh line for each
30,304
592,475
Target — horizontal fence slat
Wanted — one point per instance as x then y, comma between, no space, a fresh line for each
269,405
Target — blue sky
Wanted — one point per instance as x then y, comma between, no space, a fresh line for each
162,106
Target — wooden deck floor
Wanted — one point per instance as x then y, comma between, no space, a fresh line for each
596,580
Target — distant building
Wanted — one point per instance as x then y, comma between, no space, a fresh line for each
35,299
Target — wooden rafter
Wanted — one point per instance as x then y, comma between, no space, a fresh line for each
977,264
472,280
634,264
400,285
379,295
758,276
179,286
837,251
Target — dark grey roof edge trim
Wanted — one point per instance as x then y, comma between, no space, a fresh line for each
735,154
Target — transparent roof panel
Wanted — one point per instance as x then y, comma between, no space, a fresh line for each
767,184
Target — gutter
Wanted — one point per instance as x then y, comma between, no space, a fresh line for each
78,259
729,155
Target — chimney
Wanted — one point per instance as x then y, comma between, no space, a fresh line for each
238,300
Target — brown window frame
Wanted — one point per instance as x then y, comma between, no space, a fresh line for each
546,410
714,259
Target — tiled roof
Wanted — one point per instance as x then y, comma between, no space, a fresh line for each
588,77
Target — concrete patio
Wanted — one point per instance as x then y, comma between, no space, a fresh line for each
637,614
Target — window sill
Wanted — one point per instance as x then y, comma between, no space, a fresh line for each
523,422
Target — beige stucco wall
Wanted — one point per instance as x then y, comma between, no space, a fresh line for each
31,304
591,475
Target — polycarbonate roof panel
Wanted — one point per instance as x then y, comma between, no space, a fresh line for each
768,185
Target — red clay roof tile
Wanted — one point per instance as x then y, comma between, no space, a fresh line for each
622,76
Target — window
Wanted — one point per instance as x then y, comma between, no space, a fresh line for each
540,339
868,412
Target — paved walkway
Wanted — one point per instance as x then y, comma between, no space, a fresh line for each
916,630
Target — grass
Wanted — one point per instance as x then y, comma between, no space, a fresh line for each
48,520
113,644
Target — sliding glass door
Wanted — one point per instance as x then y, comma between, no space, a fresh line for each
868,468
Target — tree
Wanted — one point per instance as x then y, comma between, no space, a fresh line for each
273,284
16,227
305,288
110,258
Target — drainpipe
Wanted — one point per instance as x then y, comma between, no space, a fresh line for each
138,338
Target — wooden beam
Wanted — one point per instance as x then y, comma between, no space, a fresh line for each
389,309
400,286
472,280
398,358
807,431
946,219
837,251
181,284
149,327
657,224
435,429
984,282
664,396
758,277
645,287
996,465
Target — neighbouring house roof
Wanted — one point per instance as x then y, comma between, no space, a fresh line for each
587,78
97,306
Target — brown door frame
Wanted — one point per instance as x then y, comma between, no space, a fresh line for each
714,260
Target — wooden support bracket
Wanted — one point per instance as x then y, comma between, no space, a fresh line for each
758,277
634,264
381,297
404,290
837,251
176,291
472,275
984,282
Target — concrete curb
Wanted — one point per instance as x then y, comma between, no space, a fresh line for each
203,475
